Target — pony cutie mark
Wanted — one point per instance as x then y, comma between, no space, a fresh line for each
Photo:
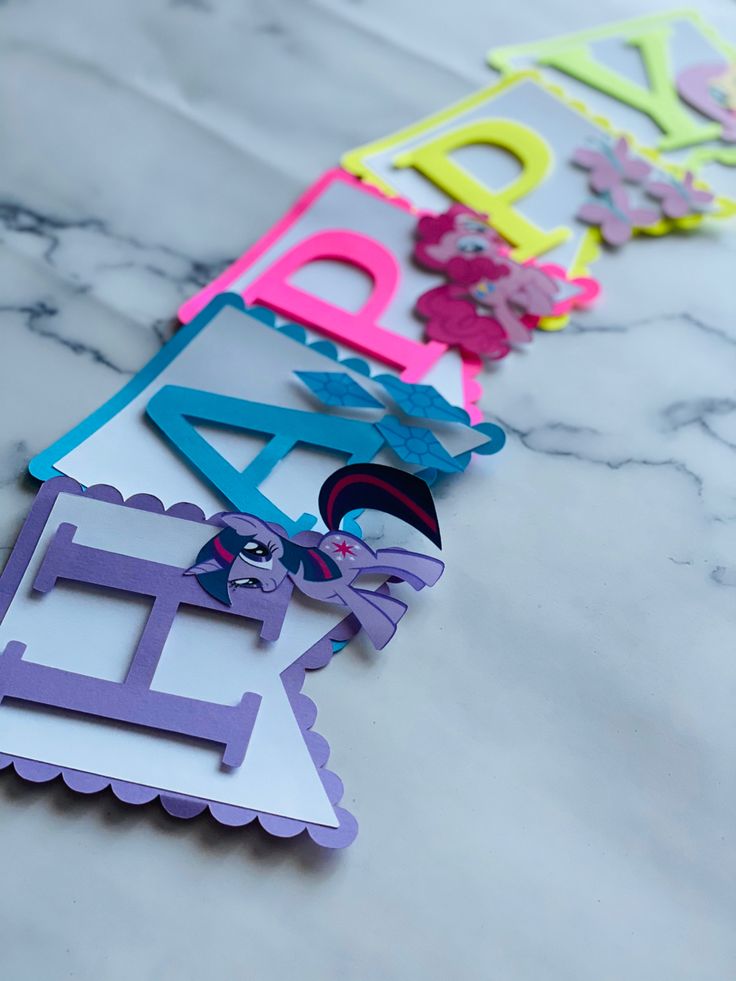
253,554
490,302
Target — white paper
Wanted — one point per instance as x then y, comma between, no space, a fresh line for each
344,206
687,46
234,355
551,204
207,656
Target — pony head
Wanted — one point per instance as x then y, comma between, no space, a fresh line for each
459,232
250,554
246,554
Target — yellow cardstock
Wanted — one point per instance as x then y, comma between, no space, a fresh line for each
628,71
530,189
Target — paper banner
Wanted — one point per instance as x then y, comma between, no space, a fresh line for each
340,262
649,76
505,151
117,670
259,557
220,417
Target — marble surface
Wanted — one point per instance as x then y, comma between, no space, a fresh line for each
558,732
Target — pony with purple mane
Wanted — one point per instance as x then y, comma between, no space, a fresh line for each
253,554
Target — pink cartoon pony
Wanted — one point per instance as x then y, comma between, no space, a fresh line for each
490,302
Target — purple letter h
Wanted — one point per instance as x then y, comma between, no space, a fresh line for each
133,701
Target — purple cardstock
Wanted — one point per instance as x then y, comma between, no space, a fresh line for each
132,701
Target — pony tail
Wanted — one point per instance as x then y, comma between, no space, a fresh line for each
372,486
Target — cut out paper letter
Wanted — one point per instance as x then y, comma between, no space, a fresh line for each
221,417
632,72
658,99
463,154
183,700
314,265
433,159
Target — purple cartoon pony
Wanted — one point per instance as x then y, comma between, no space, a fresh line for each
253,554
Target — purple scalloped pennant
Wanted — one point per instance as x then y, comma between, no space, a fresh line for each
130,709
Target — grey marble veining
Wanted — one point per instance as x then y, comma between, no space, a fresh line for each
557,734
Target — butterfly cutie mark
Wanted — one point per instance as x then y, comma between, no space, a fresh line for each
253,554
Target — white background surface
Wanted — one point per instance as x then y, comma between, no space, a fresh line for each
542,763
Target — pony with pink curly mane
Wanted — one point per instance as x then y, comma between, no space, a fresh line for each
490,302
457,232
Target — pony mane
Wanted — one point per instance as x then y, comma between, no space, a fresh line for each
216,582
454,320
431,229
468,272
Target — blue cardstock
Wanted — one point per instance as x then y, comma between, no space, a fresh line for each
352,432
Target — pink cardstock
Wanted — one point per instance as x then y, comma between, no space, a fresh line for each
354,228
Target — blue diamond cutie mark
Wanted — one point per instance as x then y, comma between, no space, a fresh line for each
413,444
421,401
337,388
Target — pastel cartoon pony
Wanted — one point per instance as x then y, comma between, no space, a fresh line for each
253,554
710,87
724,87
457,234
512,297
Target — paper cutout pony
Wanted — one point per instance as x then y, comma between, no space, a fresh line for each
253,554
711,89
491,302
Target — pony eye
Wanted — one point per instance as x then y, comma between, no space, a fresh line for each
255,550
245,583
474,226
472,244
257,554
